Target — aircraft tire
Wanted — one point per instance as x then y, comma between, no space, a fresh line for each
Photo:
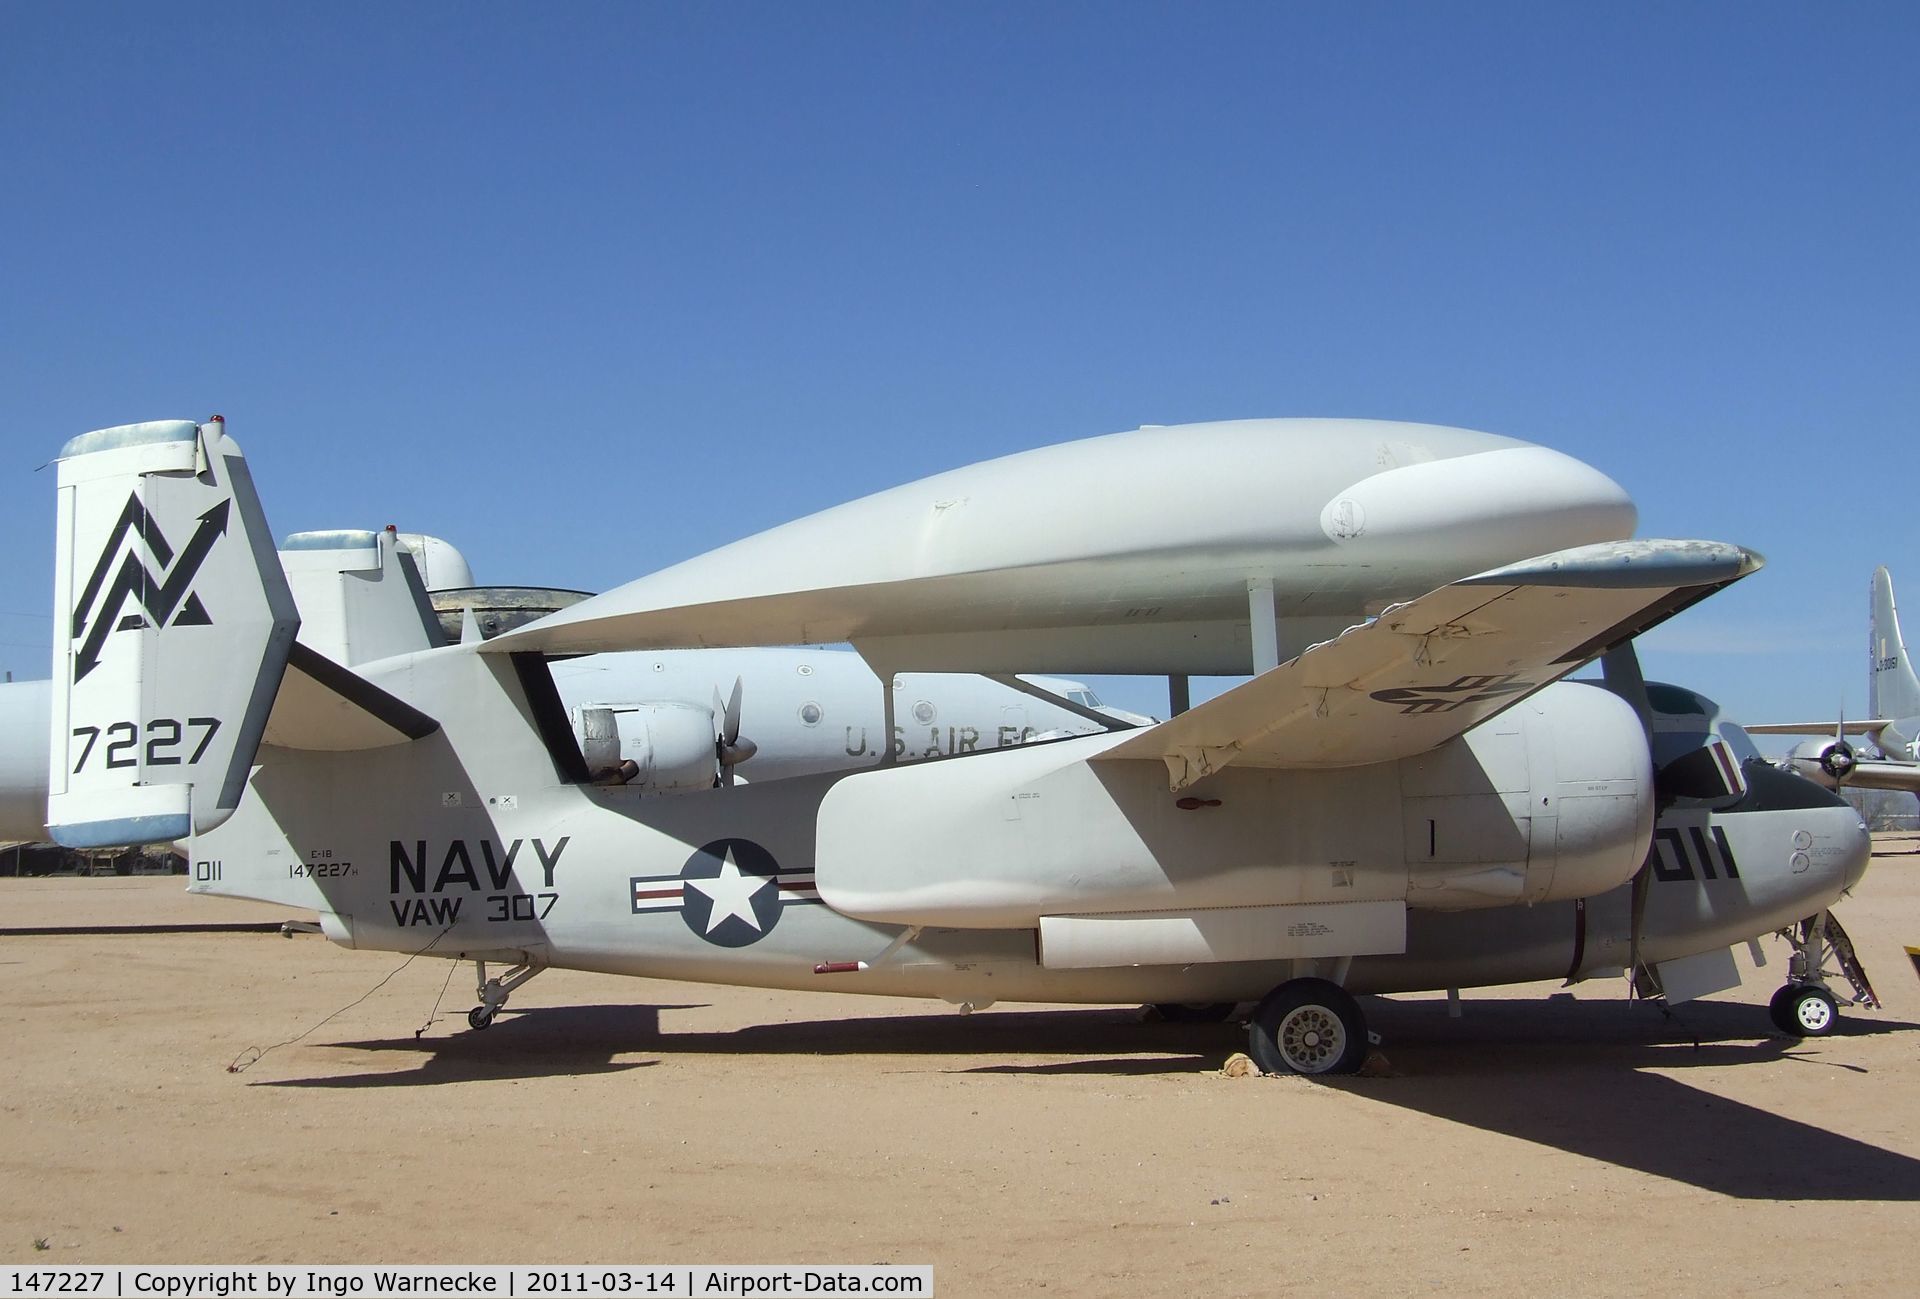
1781,1012
1308,1026
1810,1012
480,1017
1196,1012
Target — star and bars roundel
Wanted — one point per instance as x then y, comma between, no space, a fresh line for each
730,892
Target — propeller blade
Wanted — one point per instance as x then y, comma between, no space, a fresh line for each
729,750
1620,670
1838,761
731,729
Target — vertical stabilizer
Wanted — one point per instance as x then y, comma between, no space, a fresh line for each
173,623
360,594
1892,689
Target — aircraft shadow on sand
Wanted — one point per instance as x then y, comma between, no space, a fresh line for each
548,1043
555,1040
1593,1083
1590,1082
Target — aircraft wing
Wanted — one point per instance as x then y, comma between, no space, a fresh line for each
1867,726
1427,670
1885,775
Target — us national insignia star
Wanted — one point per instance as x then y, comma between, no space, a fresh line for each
731,892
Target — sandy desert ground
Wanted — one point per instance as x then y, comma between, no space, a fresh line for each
1545,1143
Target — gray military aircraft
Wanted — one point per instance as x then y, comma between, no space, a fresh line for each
1893,700
1421,801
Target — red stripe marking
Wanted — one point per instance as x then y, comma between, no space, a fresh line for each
1727,769
639,894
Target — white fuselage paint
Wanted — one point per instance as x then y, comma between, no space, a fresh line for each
25,710
466,841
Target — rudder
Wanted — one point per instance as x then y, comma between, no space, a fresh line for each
174,622
1892,689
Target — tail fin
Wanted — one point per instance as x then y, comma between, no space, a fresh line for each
173,625
360,595
1892,688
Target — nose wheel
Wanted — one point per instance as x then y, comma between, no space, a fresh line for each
1804,1010
1822,955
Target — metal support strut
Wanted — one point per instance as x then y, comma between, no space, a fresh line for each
1822,951
493,993
1261,627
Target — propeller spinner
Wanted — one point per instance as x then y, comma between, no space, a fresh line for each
1837,761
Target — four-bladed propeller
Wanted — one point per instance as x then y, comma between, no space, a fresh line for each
1838,760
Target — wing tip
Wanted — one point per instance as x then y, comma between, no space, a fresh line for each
1634,563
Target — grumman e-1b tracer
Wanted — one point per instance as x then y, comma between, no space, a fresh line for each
1417,798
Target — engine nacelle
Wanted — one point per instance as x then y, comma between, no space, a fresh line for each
1552,800
652,746
1827,763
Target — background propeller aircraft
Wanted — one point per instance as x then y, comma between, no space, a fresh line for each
1893,700
1421,800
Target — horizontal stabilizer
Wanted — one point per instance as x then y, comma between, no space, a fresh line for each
1427,670
322,705
1865,726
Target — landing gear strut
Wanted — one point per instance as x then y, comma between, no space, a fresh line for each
1807,1006
493,993
1309,1026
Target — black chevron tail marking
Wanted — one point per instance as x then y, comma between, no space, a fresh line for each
158,598
134,518
193,614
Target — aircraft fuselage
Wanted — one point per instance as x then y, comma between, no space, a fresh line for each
467,844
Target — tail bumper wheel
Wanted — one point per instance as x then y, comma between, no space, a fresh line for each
1308,1026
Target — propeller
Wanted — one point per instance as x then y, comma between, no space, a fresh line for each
729,750
1620,669
1838,760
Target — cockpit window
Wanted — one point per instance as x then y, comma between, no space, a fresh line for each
1699,755
1744,749
1085,698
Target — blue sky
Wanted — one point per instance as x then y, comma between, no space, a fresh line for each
588,289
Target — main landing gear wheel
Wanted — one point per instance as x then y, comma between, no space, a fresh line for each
1804,1010
1195,1012
480,1017
1308,1026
